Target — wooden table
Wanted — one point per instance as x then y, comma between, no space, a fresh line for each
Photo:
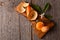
14,26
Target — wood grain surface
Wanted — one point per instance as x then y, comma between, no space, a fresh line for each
14,26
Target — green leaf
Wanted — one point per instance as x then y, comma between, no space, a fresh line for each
36,7
48,16
47,6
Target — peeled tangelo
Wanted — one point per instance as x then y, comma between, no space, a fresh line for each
40,26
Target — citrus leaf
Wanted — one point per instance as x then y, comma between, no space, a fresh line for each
47,6
36,7
48,16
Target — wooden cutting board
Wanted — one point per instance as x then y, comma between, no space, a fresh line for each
46,21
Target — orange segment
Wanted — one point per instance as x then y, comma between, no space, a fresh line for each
44,29
39,25
28,9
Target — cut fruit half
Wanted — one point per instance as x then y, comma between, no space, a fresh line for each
44,29
39,25
25,4
35,14
32,15
20,8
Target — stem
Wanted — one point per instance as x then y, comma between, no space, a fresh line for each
42,15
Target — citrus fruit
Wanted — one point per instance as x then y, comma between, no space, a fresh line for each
39,25
28,9
44,29
20,8
32,15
